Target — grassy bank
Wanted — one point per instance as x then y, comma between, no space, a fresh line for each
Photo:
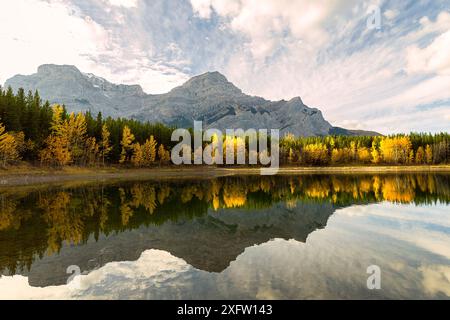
29,175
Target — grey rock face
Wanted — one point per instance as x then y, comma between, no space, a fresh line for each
209,97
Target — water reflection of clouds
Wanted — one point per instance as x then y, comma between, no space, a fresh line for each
426,227
331,264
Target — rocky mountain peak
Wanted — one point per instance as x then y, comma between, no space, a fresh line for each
209,97
53,69
209,84
297,100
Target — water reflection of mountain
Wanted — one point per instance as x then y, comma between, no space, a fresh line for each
207,243
206,223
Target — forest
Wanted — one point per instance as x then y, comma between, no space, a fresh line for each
33,131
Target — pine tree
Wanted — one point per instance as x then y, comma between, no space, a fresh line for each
98,126
33,111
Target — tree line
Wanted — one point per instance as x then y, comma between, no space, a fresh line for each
34,131
399,149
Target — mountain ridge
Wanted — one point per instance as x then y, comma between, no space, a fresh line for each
208,97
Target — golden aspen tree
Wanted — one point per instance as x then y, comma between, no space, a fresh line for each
137,159
8,147
57,144
56,125
376,157
76,129
92,151
21,144
163,154
149,151
105,147
353,150
56,151
396,149
428,154
420,155
316,153
411,157
127,145
335,156
291,156
364,155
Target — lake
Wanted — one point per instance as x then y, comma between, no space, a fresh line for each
237,237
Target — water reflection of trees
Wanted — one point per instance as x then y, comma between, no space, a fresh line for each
38,223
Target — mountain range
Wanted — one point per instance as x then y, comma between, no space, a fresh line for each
209,97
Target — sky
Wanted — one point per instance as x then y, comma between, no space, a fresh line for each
376,64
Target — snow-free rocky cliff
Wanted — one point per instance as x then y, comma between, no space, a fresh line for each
209,97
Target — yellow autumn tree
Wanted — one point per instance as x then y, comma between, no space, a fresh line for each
316,153
364,155
8,146
163,154
149,151
127,145
56,151
336,156
75,128
428,154
105,147
420,155
291,156
137,159
21,144
376,157
411,157
91,152
395,149
340,155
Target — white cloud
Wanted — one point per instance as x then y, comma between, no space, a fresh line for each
436,279
35,32
266,22
41,32
124,3
391,14
202,8
434,58
365,88
429,27
277,49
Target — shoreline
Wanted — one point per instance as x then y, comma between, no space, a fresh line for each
28,176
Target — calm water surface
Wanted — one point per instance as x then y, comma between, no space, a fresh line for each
296,237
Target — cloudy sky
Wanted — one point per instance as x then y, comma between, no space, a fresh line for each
391,77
